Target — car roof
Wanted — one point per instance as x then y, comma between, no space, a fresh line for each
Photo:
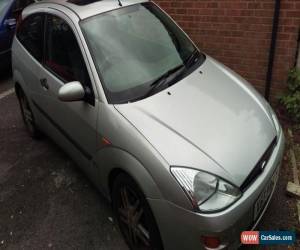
87,8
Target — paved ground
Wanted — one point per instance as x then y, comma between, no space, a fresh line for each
47,203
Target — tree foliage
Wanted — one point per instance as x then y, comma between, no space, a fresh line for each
291,100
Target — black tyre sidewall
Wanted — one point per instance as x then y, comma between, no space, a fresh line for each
35,133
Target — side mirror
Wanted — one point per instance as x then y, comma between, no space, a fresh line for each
71,92
10,23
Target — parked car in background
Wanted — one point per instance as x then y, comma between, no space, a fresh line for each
10,11
187,151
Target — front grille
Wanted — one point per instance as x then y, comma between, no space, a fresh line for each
259,167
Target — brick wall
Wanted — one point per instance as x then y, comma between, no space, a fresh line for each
238,33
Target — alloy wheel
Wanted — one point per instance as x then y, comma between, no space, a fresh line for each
27,114
132,219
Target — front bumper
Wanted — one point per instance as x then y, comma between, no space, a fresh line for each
182,229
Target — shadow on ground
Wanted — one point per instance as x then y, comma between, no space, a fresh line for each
45,201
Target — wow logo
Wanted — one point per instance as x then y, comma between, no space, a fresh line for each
268,237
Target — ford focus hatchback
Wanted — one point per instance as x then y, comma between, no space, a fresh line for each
185,149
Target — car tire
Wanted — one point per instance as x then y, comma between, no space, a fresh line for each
27,115
134,215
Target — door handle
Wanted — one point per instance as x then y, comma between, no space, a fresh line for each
44,83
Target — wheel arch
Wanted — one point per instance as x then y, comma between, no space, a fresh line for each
18,89
19,82
113,161
113,174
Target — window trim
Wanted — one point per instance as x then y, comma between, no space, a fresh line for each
42,14
106,92
89,97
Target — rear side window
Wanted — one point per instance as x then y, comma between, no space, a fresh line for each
31,34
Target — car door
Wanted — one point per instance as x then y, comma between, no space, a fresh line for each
72,124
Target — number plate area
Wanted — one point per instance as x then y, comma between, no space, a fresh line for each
264,196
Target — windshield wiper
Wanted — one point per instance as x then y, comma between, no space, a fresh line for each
192,59
162,80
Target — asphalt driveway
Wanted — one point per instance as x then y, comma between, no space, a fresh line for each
47,203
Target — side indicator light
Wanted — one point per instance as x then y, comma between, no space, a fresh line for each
105,141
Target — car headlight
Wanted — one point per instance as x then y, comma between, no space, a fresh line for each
208,193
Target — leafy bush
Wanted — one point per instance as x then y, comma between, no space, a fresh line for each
291,100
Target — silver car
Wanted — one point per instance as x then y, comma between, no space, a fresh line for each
185,149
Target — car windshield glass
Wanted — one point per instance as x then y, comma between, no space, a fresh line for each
3,5
135,46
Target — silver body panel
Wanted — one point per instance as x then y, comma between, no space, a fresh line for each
94,8
214,121
227,224
202,112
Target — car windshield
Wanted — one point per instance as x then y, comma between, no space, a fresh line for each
133,47
3,5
